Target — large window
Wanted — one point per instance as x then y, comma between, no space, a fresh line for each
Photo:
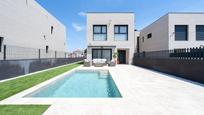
200,32
121,32
99,32
181,32
102,54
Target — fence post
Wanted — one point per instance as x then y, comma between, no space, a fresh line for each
65,55
4,53
202,53
199,53
38,53
55,54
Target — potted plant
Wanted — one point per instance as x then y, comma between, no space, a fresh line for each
115,55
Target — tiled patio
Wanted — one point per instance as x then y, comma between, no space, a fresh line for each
144,92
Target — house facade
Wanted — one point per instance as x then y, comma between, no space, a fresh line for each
114,32
173,31
108,33
24,23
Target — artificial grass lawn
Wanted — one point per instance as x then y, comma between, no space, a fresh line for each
23,109
15,86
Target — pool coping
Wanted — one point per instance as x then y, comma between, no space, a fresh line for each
20,98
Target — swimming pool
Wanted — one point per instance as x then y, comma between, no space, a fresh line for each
80,84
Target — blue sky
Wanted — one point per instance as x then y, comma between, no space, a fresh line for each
72,13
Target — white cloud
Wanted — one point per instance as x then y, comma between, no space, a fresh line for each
78,27
82,14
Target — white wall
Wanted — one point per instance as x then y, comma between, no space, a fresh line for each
163,32
111,19
190,19
25,23
159,40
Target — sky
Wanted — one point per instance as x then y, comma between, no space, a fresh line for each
72,13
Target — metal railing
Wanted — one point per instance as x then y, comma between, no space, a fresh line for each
196,53
9,52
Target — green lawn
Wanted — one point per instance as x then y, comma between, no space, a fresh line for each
22,109
15,86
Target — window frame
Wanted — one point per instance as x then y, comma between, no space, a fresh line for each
143,39
101,32
196,33
47,49
149,35
52,29
121,33
187,35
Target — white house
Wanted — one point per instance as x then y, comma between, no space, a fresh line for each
24,23
173,31
110,32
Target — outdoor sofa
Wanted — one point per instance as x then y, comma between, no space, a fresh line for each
99,62
87,63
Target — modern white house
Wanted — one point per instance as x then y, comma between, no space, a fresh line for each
173,31
24,23
110,32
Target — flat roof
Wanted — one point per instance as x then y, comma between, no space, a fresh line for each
109,12
185,13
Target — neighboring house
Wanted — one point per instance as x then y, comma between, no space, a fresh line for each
24,23
173,31
111,32
78,53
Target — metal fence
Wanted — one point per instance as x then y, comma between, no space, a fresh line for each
196,53
21,53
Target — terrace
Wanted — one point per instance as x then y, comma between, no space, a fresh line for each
143,92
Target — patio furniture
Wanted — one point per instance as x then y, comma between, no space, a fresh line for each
99,62
87,63
112,63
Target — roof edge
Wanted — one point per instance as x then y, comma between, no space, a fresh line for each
185,13
110,12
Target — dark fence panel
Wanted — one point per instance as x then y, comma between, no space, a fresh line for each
188,69
185,53
13,68
185,63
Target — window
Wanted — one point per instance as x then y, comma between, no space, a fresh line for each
199,32
102,54
121,32
99,32
181,32
1,43
149,35
47,48
143,39
52,28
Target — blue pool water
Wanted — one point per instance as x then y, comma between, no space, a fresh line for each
81,84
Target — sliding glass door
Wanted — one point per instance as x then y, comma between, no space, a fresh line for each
102,54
